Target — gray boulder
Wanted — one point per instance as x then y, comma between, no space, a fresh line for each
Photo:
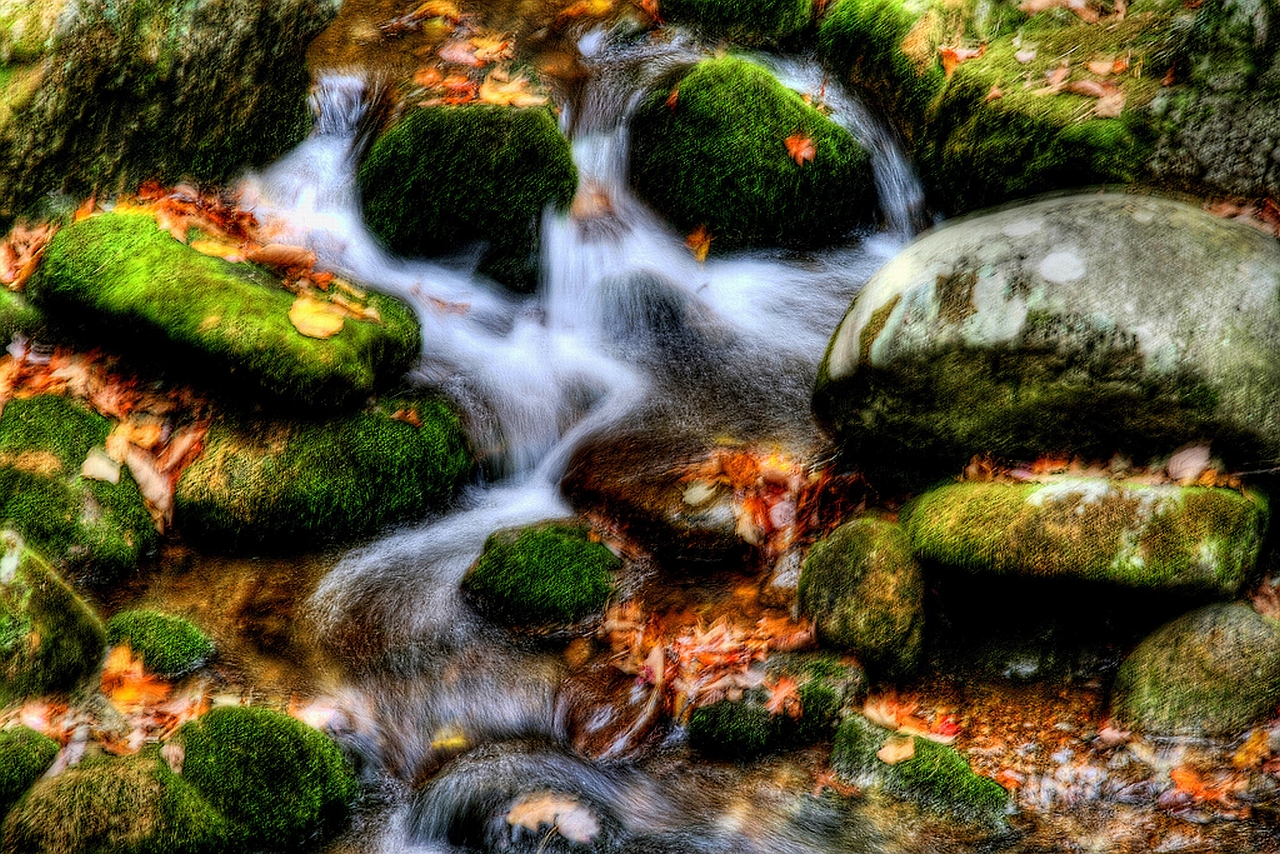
1084,324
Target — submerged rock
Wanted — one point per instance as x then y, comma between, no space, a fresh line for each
119,280
712,153
445,177
1188,539
285,485
50,639
24,756
1212,672
865,593
542,576
93,528
168,646
1079,325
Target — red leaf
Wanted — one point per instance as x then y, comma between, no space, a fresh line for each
801,148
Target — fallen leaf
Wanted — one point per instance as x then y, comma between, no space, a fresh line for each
491,50
784,698
282,255
1255,750
510,93
218,249
801,148
896,749
673,97
699,242
1101,67
1025,56
173,754
828,779
460,89
993,94
428,78
563,812
1088,88
314,318
1110,106
1011,780
460,53
127,685
99,466
1121,65
952,56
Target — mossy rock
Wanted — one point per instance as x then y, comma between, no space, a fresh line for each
743,21
93,528
1171,538
117,279
18,316
445,177
168,646
122,805
1079,325
1212,672
50,639
718,159
542,576
27,29
936,776
865,593
24,756
284,485
278,780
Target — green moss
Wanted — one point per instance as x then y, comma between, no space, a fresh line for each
936,776
124,282
729,730
444,177
746,21
169,646
285,485
116,805
543,575
17,315
93,527
24,756
1168,538
279,780
718,160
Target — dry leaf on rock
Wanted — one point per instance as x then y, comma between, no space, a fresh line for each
282,255
699,242
1110,106
460,53
127,685
896,749
316,319
562,812
952,56
509,93
801,148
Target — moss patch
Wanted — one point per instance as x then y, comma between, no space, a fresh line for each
1172,538
287,485
544,575
24,756
169,646
745,21
444,177
718,159
123,282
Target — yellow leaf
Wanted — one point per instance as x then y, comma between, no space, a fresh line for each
897,749
699,242
316,319
127,685
1255,750
562,812
218,249
512,93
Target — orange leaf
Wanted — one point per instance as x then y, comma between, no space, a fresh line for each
1089,88
282,255
673,98
460,53
699,242
784,698
126,684
896,749
316,319
1255,750
428,78
1100,67
994,93
801,148
953,56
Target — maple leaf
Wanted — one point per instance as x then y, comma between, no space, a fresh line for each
127,685
801,149
784,698
699,242
952,56
460,89
1057,79
315,318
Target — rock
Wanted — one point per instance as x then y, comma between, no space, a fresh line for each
296,484
128,803
865,593
121,281
1212,672
27,29
935,776
748,22
50,639
200,90
280,782
542,576
444,177
1173,538
718,160
24,756
1079,325
168,646
92,528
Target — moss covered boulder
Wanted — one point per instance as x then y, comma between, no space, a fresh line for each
92,528
1080,325
1212,672
27,29
200,89
715,156
24,756
50,639
284,485
133,804
1188,539
935,776
865,594
744,21
119,280
168,646
445,177
542,576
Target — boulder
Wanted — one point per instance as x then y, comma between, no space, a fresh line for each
865,594
168,646
92,528
50,639
284,485
200,90
27,29
749,22
711,152
1080,325
445,177
1164,537
1212,672
542,576
117,279
24,756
